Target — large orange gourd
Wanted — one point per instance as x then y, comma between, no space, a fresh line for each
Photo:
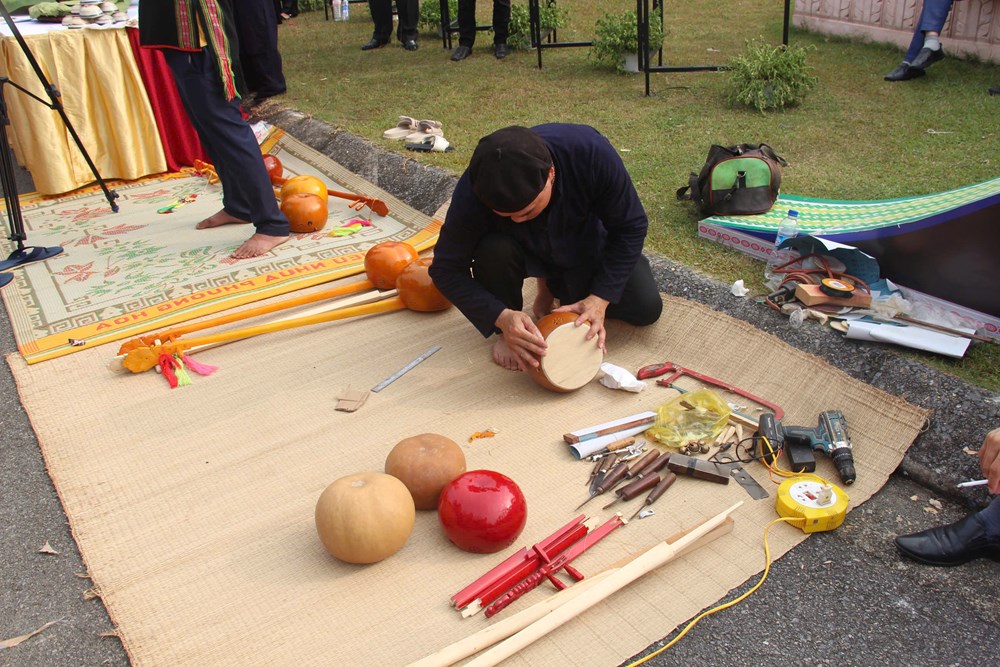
417,290
386,260
365,517
306,212
304,184
425,463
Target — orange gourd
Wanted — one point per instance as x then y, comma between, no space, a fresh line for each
365,517
385,261
303,183
305,212
425,463
417,290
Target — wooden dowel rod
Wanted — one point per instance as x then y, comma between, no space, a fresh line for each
618,579
347,302
512,624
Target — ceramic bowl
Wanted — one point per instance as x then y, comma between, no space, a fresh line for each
109,7
90,11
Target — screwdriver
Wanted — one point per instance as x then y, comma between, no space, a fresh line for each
613,477
601,470
658,490
648,459
633,489
645,476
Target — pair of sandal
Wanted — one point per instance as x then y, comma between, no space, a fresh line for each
414,131
419,135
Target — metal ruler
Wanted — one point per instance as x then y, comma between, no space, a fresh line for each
405,369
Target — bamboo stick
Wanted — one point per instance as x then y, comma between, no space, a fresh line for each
616,580
170,334
512,624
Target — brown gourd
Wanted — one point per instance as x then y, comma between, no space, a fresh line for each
425,464
365,517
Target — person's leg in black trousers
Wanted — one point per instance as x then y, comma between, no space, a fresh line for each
501,266
247,194
381,11
408,13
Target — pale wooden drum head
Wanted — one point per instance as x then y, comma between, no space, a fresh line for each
571,361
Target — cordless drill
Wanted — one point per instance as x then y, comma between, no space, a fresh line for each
830,436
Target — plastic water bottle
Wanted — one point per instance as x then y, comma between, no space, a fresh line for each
338,14
345,10
788,229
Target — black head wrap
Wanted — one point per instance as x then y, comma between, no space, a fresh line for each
509,168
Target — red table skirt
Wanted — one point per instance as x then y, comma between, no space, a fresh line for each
181,146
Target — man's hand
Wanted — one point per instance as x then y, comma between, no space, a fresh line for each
591,311
989,460
522,337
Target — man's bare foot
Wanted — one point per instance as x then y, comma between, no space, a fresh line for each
257,245
503,357
543,300
219,219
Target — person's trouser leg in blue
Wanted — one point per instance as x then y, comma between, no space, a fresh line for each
932,19
246,188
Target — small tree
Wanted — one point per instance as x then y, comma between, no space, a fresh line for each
768,77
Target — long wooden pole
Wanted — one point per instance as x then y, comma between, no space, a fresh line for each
512,624
176,332
645,563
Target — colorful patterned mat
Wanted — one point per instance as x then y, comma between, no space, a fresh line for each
122,274
822,217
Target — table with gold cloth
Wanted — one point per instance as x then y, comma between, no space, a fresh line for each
105,98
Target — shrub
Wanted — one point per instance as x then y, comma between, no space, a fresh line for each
768,77
617,34
550,16
430,14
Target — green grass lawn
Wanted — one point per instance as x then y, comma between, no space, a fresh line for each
854,136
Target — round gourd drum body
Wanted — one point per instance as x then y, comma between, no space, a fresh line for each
571,360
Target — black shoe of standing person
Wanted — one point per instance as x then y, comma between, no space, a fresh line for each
410,45
927,57
374,43
995,90
954,544
461,53
501,51
904,72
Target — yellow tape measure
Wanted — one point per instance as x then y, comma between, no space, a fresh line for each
820,505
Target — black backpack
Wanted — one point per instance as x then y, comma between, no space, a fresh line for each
736,180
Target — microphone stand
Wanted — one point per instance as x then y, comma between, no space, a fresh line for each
25,254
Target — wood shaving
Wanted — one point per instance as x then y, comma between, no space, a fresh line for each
14,641
935,502
970,452
914,497
47,549
930,510
488,433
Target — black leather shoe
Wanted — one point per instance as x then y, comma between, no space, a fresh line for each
926,58
461,53
995,90
954,544
374,43
501,51
410,45
904,72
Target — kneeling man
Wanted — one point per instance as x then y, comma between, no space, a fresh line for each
555,203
